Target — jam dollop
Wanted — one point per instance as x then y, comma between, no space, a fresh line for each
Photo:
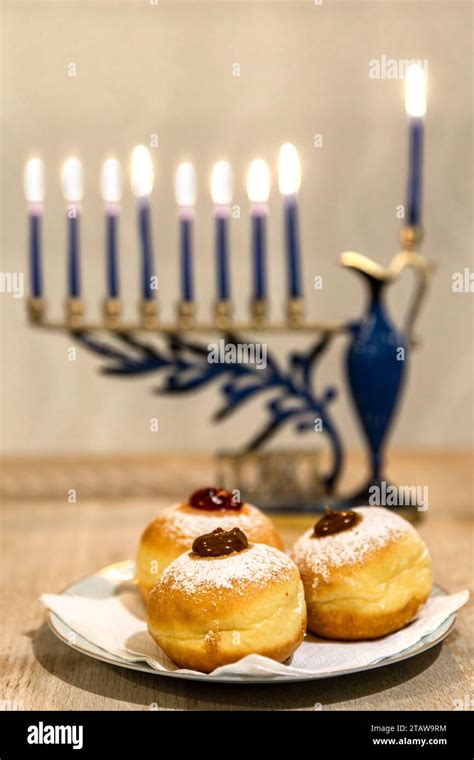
214,498
220,542
335,522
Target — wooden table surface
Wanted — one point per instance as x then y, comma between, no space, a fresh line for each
47,544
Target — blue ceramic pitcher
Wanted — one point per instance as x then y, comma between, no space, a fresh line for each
377,356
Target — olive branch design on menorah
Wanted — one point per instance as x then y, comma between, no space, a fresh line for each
184,367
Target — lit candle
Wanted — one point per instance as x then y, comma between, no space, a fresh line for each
289,180
221,193
142,184
258,190
111,188
415,105
34,193
185,192
72,191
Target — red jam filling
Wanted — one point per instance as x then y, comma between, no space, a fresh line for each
214,498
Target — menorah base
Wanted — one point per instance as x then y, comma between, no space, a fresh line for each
291,481
276,481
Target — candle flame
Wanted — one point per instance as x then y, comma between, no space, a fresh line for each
185,185
73,180
289,170
258,181
221,183
142,175
415,91
111,181
34,181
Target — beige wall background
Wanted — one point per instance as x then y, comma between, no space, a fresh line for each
144,69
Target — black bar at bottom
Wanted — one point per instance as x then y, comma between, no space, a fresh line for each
217,734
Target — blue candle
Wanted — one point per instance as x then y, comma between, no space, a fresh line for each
34,193
289,179
185,192
142,185
415,104
259,255
222,256
187,286
35,255
112,193
290,209
415,172
73,191
74,273
221,192
112,273
258,190
144,229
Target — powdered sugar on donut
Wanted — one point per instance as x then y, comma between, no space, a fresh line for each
258,565
377,528
187,525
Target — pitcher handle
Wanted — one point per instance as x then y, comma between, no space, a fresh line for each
409,259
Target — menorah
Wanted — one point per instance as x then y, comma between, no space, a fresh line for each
377,352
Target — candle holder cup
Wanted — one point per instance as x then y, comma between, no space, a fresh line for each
223,314
185,314
259,308
75,309
295,312
112,312
36,310
149,313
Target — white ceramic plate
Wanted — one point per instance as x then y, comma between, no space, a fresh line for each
93,586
